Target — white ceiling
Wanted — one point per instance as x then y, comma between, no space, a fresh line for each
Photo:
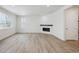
32,9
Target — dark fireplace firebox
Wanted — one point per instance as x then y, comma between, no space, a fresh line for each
46,29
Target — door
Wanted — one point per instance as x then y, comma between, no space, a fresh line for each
71,23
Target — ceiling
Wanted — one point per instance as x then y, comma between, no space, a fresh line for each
32,9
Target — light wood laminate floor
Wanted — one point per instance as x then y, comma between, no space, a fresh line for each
36,43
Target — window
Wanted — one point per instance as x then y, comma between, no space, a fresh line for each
4,22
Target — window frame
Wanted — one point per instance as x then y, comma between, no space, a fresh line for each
4,20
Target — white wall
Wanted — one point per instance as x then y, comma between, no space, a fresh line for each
28,24
5,32
57,19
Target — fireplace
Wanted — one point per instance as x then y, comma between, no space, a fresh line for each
46,29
